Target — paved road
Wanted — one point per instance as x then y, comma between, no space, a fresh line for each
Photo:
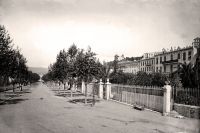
42,112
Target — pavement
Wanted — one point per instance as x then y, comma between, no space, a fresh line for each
38,110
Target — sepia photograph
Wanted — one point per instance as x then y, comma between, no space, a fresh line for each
99,66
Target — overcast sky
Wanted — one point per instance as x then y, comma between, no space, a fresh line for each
131,27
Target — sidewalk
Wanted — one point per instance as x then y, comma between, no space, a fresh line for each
125,116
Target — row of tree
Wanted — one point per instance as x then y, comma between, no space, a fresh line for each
74,65
13,68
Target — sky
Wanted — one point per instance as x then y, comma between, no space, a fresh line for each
41,28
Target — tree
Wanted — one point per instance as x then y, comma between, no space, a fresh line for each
115,63
187,75
72,53
61,66
5,54
158,79
105,71
87,67
13,63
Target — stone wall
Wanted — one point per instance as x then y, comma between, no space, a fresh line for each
187,110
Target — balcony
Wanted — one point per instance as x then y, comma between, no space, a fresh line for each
148,64
170,61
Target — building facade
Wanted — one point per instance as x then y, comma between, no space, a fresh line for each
147,65
168,62
129,66
165,62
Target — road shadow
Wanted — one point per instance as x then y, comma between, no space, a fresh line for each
12,101
89,100
69,95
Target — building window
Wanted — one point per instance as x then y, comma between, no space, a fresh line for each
156,69
171,68
189,55
160,60
164,58
156,60
160,69
164,68
184,56
179,56
171,56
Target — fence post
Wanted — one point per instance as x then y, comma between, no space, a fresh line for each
166,99
108,89
101,89
83,87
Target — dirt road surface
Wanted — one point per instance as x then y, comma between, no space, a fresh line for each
40,111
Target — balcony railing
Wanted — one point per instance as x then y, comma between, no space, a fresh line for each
170,61
148,64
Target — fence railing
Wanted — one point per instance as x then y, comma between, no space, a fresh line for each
149,97
188,96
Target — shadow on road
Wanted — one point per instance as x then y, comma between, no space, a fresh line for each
89,100
12,101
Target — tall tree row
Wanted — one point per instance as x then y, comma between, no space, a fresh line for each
74,65
13,68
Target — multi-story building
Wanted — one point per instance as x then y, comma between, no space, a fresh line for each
165,62
168,62
147,65
129,66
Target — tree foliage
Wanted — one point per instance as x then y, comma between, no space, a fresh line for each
141,78
115,63
13,63
74,65
189,75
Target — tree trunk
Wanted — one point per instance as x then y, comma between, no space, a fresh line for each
59,84
64,85
85,92
13,87
93,101
21,87
71,92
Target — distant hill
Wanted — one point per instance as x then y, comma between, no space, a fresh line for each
38,70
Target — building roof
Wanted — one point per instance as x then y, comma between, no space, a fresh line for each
176,50
197,38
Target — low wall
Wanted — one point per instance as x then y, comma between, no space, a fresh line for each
187,110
